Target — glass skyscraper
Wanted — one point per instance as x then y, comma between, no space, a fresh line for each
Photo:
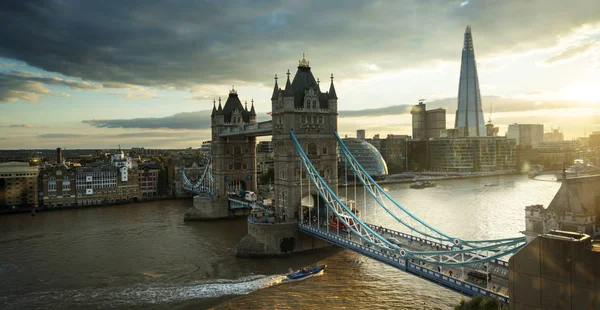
469,115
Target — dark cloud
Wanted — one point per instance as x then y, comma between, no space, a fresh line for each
201,119
156,43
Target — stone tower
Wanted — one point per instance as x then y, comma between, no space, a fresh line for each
300,106
469,114
312,115
234,158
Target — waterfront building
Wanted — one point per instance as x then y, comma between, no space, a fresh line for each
553,136
427,124
557,270
575,207
472,154
148,175
101,183
123,163
469,115
18,185
366,155
393,151
58,187
526,135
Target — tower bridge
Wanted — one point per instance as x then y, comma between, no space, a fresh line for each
308,211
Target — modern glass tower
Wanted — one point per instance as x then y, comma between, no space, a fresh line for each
469,115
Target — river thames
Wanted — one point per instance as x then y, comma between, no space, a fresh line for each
143,256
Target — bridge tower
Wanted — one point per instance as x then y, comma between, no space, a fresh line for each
300,106
234,158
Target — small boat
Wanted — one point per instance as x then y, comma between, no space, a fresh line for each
422,184
492,184
305,273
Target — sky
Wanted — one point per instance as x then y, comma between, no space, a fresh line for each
79,74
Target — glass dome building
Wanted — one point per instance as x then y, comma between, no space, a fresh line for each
366,155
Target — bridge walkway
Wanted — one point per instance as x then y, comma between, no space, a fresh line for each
498,286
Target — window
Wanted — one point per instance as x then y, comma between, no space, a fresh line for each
314,104
244,166
303,119
312,149
237,150
66,185
324,150
51,184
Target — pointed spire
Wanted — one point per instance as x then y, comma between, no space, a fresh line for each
318,82
246,105
214,110
252,112
220,110
332,93
275,89
288,86
468,44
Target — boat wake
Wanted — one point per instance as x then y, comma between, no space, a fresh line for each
147,294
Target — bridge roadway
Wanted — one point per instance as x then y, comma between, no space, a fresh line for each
499,269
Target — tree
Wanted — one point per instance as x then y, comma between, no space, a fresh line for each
480,303
265,178
162,181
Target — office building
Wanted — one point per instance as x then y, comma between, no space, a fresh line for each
526,135
472,154
427,124
469,115
555,135
18,185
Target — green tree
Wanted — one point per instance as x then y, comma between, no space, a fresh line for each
163,184
267,177
480,303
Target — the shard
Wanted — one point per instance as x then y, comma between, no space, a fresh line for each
469,115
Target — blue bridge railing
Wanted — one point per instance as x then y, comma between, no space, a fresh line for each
402,263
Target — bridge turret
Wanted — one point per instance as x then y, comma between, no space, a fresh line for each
252,113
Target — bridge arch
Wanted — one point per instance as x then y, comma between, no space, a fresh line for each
236,185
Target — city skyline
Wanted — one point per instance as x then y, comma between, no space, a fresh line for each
157,91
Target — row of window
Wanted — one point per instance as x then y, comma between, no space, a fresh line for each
312,119
19,175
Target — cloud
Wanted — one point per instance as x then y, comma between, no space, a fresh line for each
21,126
201,119
185,43
464,3
60,136
27,86
571,53
140,95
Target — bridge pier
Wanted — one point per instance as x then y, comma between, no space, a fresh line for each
268,240
208,208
